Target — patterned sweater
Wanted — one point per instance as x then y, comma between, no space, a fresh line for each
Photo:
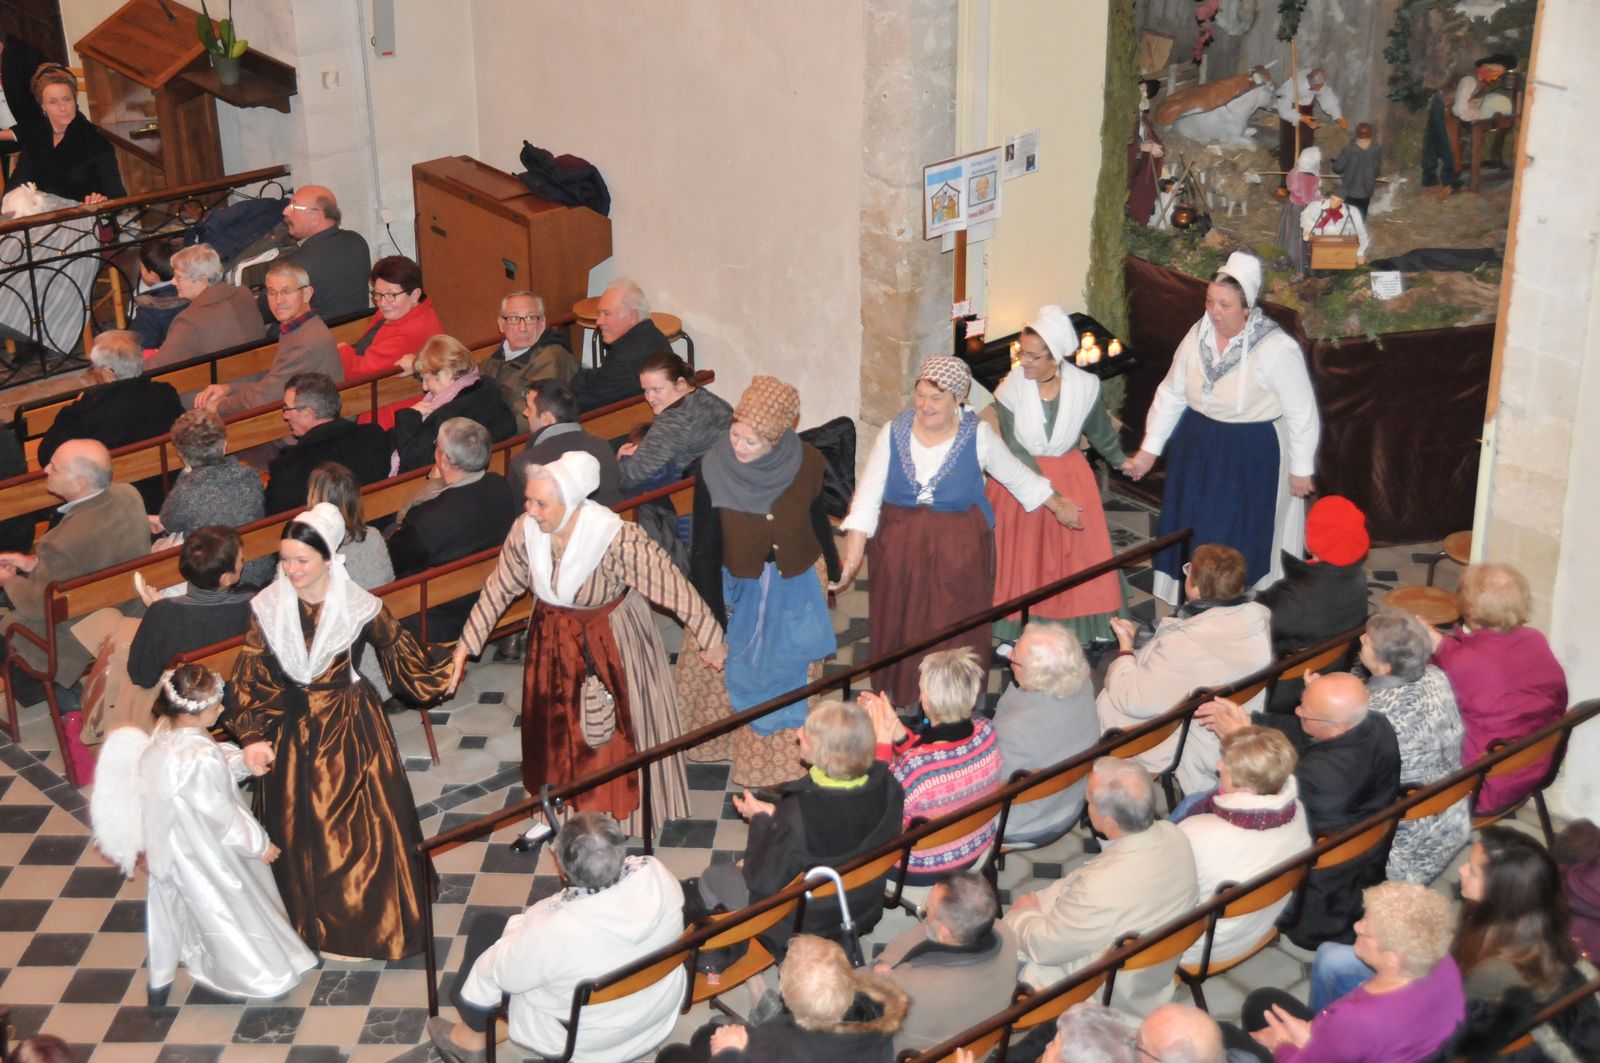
942,769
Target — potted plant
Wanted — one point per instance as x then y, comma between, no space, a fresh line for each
222,43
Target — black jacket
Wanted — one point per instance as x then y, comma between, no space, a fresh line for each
82,164
16,534
480,401
461,520
1342,781
118,413
552,442
361,448
337,262
1312,602
812,826
17,65
617,378
864,1034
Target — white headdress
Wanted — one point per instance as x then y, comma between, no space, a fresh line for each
1055,328
576,474
1246,269
345,611
1075,400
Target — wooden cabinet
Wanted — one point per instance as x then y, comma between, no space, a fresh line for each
481,234
153,93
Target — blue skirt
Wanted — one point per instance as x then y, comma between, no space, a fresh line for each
776,628
1222,481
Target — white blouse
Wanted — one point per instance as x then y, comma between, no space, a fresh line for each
1270,382
994,458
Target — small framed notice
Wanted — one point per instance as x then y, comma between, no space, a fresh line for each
1386,284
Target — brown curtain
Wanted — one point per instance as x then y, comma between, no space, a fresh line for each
1400,422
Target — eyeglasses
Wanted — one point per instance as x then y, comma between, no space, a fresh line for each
279,293
386,297
298,206
521,319
295,409
1133,1043
1186,567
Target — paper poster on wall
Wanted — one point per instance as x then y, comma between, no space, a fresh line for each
1022,154
960,192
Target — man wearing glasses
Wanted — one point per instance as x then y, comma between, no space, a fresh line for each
336,260
304,346
530,351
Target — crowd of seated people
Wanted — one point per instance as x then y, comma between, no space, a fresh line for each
1260,781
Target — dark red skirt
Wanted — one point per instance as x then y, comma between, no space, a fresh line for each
927,570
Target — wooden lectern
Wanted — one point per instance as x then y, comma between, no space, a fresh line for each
148,75
481,234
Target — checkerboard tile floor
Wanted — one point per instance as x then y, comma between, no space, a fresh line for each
72,929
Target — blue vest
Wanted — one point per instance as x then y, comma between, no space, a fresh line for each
957,485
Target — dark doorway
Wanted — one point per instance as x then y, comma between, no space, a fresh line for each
39,23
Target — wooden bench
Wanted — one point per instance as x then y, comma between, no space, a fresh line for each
113,587
36,418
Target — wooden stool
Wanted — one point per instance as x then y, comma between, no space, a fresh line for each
1457,548
671,326
587,315
1431,605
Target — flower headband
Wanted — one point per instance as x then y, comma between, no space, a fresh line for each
188,705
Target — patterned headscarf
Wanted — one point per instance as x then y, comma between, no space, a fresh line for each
949,373
769,406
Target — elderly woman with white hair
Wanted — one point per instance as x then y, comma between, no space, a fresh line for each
951,760
1045,716
219,315
122,406
1238,409
1415,697
1041,409
213,488
333,793
596,684
920,500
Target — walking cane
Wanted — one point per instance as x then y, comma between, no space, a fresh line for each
539,833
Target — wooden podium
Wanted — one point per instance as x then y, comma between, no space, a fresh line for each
145,70
481,234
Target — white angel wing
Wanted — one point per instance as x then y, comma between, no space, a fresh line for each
116,808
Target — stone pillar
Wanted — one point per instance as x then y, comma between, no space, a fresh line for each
908,120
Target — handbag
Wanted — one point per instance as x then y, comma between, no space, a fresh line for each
596,705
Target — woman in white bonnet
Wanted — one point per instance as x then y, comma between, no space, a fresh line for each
1041,409
334,796
593,577
1239,412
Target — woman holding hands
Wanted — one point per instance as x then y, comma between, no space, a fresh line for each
921,502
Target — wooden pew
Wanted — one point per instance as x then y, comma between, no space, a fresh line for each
34,420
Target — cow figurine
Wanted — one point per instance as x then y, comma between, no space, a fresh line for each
1219,110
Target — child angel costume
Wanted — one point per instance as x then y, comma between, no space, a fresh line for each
212,905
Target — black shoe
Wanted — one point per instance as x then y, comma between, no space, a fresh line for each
530,841
157,998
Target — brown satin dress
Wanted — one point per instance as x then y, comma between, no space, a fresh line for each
336,800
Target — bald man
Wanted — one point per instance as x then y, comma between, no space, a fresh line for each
1179,1033
336,260
1349,768
102,524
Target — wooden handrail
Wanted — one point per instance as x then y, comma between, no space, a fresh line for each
145,199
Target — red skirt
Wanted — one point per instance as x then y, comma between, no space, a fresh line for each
1034,549
553,747
928,570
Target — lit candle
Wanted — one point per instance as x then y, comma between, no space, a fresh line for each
1081,358
1114,348
1016,353
1086,341
1094,353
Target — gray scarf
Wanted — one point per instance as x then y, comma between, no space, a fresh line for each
750,487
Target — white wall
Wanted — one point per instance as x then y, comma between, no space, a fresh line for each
1040,253
729,134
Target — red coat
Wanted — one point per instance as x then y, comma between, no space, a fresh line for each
1507,684
384,344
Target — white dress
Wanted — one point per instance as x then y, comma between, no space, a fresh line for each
212,905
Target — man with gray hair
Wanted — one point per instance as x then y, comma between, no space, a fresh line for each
958,965
1045,716
122,407
530,351
311,407
1144,877
613,910
461,509
102,524
629,336
305,345
1091,1033
218,317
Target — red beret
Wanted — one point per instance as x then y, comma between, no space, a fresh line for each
1336,531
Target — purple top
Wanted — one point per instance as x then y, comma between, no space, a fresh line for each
1507,684
1403,1026
1583,895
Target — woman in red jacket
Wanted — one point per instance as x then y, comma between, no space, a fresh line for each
404,322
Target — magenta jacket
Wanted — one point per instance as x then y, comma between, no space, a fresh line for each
1508,684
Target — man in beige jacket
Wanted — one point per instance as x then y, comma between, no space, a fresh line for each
1144,878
